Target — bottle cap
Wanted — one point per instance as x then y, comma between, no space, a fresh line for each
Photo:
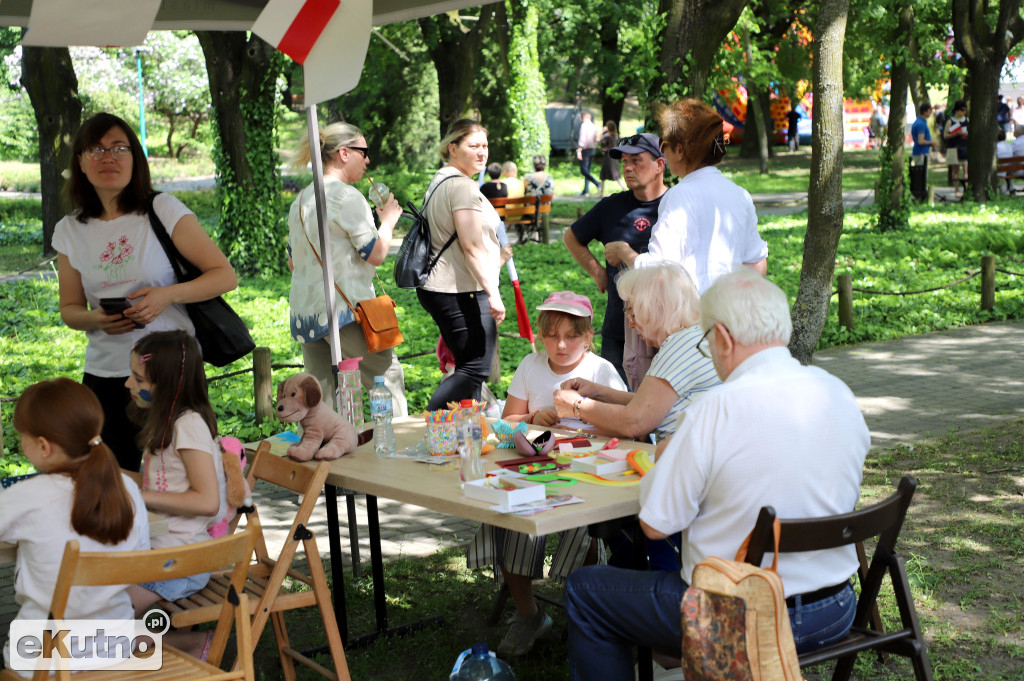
378,380
466,403
350,364
480,648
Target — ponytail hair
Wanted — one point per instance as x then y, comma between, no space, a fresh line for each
332,138
68,415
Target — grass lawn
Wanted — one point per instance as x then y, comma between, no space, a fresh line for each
961,541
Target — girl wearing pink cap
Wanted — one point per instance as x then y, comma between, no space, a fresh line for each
565,324
566,328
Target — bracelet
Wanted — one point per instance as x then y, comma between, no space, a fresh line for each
576,407
529,417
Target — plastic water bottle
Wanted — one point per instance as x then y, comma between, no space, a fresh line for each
469,441
378,194
350,392
382,410
483,666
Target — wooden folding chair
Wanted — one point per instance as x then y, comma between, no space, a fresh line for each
883,520
267,573
106,568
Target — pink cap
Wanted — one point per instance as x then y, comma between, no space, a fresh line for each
350,364
569,303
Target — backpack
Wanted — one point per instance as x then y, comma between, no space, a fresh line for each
414,263
736,623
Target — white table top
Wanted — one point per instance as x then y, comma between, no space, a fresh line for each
413,482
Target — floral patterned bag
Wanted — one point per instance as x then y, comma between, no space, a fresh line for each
736,624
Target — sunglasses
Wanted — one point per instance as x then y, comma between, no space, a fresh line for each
631,141
365,151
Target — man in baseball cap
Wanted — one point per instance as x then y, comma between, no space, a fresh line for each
626,216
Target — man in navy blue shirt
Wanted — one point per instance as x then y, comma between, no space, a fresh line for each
626,216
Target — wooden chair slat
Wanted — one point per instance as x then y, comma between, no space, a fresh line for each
266,574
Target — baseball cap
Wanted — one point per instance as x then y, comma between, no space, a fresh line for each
569,303
634,144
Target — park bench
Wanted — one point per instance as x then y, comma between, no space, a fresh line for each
1009,168
528,214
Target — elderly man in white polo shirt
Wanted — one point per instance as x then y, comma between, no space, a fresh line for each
774,432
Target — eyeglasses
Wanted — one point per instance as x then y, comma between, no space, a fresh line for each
702,345
365,151
116,152
630,141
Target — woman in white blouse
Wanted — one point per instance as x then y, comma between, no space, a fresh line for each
357,248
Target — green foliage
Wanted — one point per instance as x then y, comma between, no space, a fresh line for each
175,88
526,86
19,134
251,210
396,101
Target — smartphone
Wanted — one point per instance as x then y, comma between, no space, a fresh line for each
117,306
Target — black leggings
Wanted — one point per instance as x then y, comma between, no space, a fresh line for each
470,332
119,432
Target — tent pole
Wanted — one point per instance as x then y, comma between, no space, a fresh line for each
325,247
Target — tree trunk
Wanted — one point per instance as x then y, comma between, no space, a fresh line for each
825,195
49,78
918,88
755,111
612,101
243,72
694,30
891,214
984,41
455,51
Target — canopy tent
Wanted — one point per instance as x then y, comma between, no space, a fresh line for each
344,26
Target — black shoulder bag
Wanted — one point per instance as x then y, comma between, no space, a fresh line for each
414,262
222,335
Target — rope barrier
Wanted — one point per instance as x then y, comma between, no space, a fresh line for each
1015,274
13,277
924,290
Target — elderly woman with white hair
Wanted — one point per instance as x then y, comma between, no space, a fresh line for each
661,303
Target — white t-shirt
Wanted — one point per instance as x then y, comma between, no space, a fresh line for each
774,433
353,237
36,514
165,472
686,370
706,223
116,258
535,382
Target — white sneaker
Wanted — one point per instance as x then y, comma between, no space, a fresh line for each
525,630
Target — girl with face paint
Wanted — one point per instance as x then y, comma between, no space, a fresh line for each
182,472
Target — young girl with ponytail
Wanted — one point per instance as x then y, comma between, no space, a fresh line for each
182,469
79,494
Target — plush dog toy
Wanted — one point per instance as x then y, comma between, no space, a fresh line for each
325,435
238,492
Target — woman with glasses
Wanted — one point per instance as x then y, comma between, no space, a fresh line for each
706,222
357,249
116,282
661,303
461,293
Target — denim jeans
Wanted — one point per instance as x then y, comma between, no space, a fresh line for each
586,158
612,610
470,332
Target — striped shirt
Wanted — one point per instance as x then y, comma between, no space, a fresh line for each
686,370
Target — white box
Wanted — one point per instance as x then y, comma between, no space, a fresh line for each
599,465
511,492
